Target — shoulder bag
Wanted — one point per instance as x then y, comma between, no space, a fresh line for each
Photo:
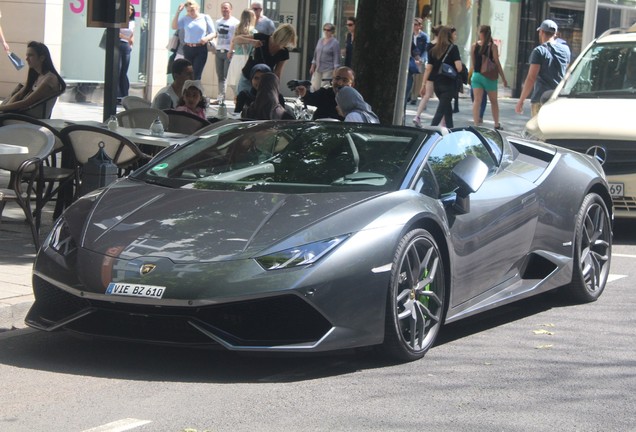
488,67
446,69
173,42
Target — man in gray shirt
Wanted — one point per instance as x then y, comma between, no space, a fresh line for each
263,24
548,63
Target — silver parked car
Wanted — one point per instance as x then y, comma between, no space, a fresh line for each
317,236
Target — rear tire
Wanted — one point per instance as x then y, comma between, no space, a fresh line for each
592,251
416,299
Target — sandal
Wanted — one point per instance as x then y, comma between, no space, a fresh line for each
499,127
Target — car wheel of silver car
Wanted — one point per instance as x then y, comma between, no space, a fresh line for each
415,305
592,250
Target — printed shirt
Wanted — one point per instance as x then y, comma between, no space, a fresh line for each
225,32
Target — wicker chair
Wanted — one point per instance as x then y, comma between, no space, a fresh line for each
27,170
142,118
184,123
132,102
57,168
84,141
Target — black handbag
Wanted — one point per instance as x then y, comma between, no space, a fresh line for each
445,69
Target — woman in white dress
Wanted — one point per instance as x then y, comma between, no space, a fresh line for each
240,52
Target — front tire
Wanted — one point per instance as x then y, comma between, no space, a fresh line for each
416,299
592,251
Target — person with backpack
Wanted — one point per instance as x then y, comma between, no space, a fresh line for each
487,69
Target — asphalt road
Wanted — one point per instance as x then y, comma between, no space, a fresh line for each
537,365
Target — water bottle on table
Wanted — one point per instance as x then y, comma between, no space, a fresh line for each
156,128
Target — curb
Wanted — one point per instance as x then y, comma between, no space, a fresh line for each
13,310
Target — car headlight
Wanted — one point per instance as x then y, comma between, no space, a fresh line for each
299,256
60,238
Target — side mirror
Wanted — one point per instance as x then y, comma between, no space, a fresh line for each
469,174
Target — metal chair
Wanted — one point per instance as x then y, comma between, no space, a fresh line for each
184,122
132,102
26,168
57,168
142,118
84,141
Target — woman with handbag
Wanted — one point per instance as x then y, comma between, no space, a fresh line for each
486,70
444,63
198,32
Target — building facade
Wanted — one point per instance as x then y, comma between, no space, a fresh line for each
61,25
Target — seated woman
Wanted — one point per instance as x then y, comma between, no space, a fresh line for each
266,105
246,97
43,80
353,106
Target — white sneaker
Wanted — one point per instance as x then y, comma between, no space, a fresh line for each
417,122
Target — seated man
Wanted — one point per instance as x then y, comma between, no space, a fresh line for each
168,97
324,99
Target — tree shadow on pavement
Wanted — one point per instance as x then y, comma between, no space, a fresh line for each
61,352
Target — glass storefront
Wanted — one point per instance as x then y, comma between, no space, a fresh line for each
502,17
83,61
569,15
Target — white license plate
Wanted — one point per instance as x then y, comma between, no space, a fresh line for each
617,189
134,290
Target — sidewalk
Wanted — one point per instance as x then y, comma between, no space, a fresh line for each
17,252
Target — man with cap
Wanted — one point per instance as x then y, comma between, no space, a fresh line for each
548,63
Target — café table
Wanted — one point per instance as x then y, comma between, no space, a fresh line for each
137,135
10,149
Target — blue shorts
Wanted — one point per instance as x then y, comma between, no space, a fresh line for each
480,81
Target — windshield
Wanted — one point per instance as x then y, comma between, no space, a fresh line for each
290,157
605,70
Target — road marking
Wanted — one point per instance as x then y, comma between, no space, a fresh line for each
613,277
120,425
623,255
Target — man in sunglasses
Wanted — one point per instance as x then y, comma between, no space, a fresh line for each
263,24
324,99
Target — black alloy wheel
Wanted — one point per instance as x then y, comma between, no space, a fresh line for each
592,251
415,305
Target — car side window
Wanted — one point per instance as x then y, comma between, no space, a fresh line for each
436,177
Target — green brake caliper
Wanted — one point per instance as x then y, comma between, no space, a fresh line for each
423,298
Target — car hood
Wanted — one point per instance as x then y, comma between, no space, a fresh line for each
565,118
132,220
